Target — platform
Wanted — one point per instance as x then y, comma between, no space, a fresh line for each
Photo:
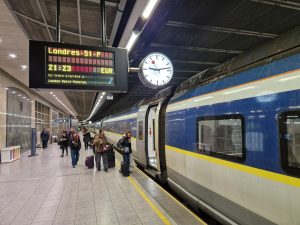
47,190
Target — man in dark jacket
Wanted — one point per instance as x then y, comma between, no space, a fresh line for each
44,138
86,138
125,144
75,145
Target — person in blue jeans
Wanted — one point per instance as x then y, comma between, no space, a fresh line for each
125,144
75,145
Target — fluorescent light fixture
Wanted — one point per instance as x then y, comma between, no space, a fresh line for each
19,95
24,67
103,93
14,92
13,56
1,40
149,8
239,90
132,40
51,93
54,96
289,78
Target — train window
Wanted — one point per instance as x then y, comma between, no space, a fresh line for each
140,133
289,123
222,136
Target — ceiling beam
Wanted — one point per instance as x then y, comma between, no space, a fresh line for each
79,21
108,3
52,27
280,3
44,19
220,29
194,62
117,21
190,48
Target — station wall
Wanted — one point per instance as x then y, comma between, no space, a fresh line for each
18,112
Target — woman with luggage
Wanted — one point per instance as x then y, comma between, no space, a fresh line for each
75,145
100,142
63,143
125,144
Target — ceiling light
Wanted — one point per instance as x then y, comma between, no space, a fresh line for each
19,95
148,9
24,97
103,93
51,93
24,67
6,88
1,40
132,40
13,92
13,56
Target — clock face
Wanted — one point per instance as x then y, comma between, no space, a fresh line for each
156,70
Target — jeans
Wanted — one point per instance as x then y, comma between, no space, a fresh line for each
126,158
74,156
63,148
104,157
86,145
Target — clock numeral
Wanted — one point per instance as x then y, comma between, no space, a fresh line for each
163,59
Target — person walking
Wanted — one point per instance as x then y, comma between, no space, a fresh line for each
86,138
75,145
125,144
63,142
44,138
100,142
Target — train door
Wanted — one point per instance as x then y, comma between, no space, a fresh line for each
152,130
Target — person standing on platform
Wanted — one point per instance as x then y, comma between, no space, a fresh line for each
75,145
64,142
125,144
86,138
100,142
44,138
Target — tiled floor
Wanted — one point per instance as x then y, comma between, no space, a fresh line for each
47,190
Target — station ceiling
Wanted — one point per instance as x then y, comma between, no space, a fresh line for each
195,34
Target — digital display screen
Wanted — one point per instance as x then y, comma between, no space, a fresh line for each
67,66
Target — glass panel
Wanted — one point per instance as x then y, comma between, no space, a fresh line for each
221,136
293,140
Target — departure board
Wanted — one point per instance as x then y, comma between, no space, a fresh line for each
65,66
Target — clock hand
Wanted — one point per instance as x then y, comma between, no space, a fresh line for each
165,68
153,69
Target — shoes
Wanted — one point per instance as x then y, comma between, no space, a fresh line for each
105,170
62,156
67,155
98,170
73,166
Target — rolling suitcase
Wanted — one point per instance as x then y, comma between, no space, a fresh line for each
89,162
111,157
125,169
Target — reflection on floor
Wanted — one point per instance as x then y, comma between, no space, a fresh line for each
47,190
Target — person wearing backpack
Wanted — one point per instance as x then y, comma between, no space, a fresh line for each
125,144
86,138
75,145
100,142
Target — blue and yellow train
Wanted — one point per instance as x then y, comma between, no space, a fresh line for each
230,147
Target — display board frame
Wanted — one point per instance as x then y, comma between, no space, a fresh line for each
38,67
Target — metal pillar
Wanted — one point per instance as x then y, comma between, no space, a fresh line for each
103,24
57,20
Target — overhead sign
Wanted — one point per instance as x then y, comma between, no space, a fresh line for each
66,66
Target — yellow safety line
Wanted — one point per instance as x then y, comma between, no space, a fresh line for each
178,202
236,166
151,204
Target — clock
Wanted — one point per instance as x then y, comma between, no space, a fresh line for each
156,70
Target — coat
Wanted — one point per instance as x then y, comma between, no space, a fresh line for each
100,142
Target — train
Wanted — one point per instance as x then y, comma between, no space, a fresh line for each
229,146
